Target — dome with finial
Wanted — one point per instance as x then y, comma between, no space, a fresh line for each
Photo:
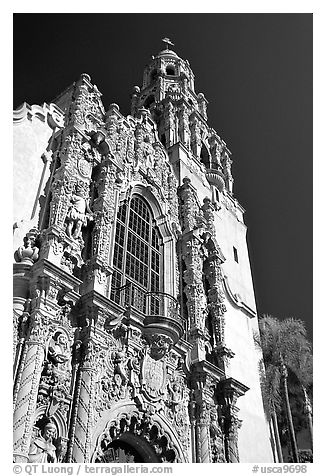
167,52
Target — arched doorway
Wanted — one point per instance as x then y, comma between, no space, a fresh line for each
135,438
127,448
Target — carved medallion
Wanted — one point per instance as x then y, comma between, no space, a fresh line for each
84,167
153,378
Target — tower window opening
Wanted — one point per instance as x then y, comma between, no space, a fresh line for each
163,140
149,101
204,156
235,255
170,70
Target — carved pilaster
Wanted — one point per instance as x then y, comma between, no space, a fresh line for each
208,214
30,376
195,136
189,206
226,164
207,429
70,209
184,130
212,269
169,123
87,109
104,210
91,354
194,289
228,392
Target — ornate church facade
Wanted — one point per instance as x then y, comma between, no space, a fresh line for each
134,308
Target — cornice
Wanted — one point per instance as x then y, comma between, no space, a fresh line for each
49,113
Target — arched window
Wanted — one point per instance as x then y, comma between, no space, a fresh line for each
150,100
170,70
204,155
137,256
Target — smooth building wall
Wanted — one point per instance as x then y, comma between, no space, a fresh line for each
32,131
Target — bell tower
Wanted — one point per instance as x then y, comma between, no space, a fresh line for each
168,92
216,289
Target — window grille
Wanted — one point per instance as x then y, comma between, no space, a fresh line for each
137,257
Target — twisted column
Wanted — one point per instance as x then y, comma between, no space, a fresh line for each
84,402
28,388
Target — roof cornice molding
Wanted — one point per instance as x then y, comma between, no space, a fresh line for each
49,113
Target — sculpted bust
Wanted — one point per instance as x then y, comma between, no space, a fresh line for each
42,449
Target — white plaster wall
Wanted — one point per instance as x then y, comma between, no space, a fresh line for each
231,232
254,435
31,137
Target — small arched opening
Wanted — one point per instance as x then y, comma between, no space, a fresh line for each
170,70
149,101
163,139
127,450
204,156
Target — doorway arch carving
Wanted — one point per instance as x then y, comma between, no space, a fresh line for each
137,437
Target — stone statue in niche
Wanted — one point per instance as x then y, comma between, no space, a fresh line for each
119,368
175,394
78,214
42,449
58,351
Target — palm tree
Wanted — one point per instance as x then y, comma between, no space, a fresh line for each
283,343
304,375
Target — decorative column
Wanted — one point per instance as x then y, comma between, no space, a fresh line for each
169,121
104,209
25,256
204,379
184,131
29,382
75,158
191,242
226,163
215,150
228,392
134,100
195,135
203,438
215,295
202,103
92,345
20,334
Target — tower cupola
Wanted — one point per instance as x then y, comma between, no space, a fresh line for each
168,92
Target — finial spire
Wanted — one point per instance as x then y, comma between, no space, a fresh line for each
167,42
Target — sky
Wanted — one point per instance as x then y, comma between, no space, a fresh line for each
256,72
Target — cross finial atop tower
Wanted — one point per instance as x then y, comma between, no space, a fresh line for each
167,42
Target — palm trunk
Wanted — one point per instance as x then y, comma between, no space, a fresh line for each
293,442
277,437
308,412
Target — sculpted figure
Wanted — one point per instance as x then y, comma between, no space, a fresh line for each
58,352
77,216
29,252
42,449
175,394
